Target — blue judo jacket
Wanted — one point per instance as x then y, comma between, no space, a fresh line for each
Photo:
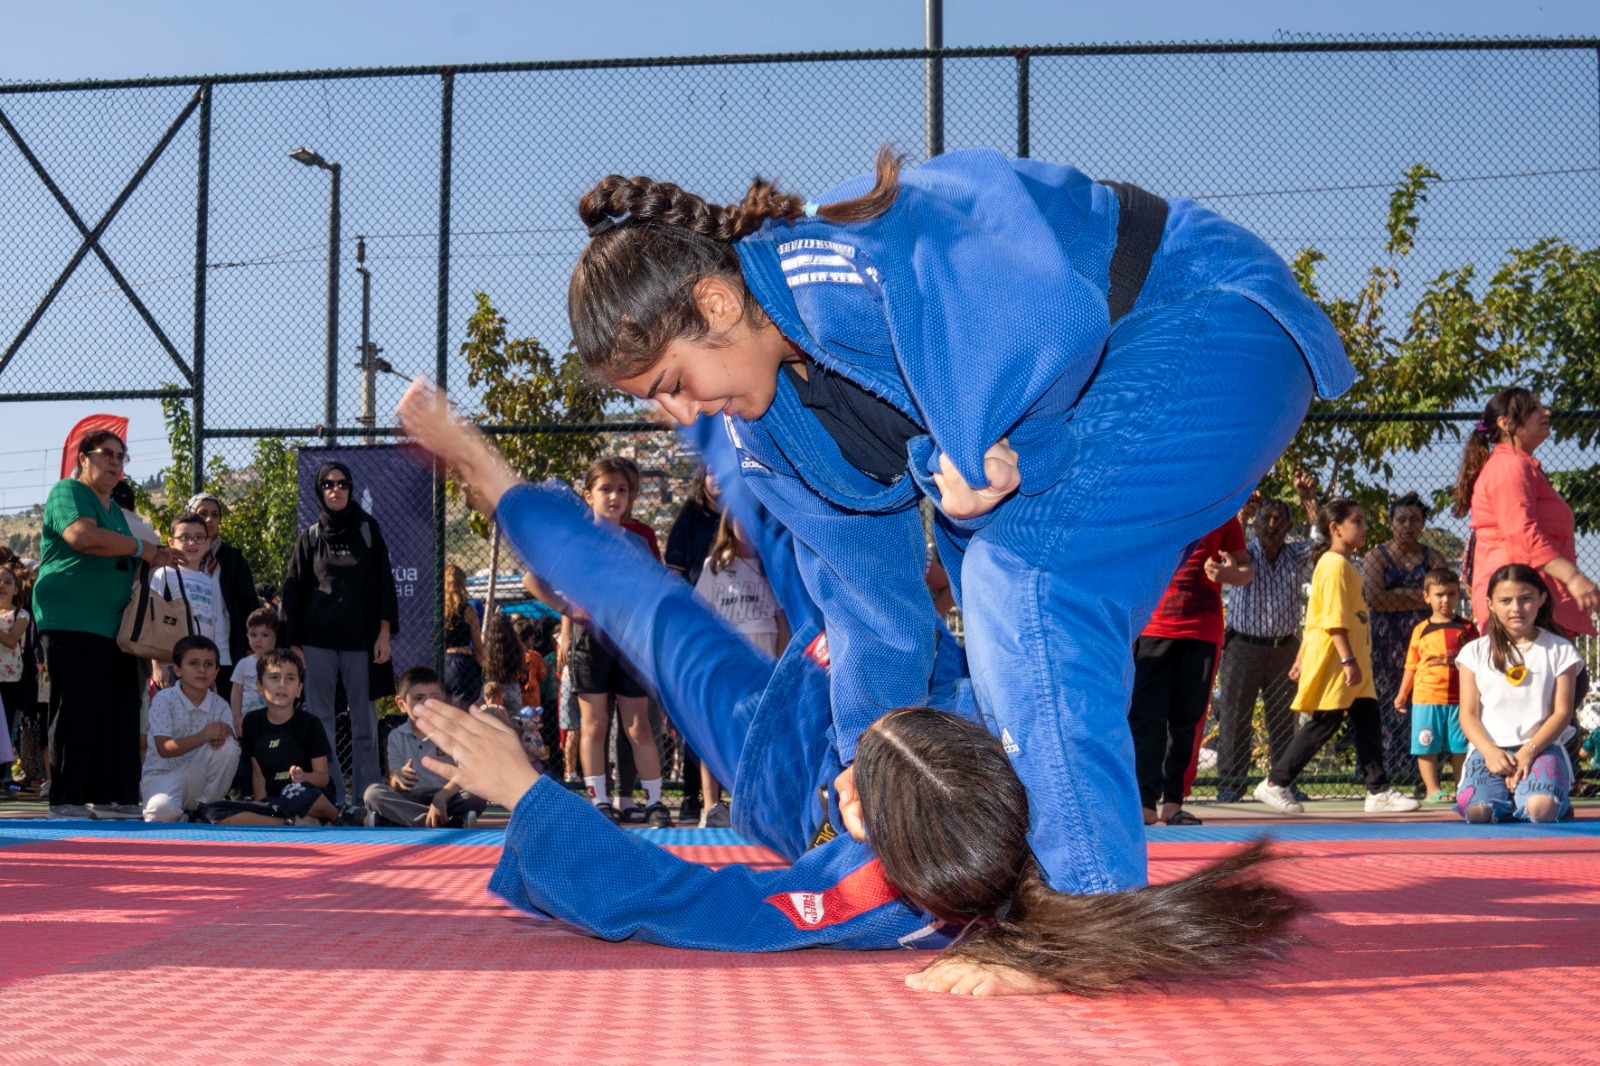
976,305
763,727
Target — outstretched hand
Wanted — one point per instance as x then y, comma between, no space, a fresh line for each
960,500
428,418
488,753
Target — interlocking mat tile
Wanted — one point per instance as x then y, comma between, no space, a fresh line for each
135,944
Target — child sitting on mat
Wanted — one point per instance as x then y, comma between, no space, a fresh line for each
1518,688
416,795
192,753
288,751
1431,680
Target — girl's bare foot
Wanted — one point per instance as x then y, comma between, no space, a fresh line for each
961,977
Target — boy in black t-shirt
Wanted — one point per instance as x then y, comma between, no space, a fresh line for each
288,753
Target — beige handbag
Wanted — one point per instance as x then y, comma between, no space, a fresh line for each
154,622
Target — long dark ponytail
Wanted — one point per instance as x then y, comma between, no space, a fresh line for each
1331,514
948,818
632,291
1517,404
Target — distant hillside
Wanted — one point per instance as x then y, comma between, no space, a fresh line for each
20,533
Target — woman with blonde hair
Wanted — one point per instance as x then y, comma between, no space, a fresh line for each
463,640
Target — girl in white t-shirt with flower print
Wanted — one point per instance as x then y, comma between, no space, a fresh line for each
1518,689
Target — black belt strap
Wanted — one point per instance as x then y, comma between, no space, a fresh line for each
1140,222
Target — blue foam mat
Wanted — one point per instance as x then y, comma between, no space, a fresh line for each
13,832
19,831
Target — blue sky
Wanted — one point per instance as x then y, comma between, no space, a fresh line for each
78,39
129,38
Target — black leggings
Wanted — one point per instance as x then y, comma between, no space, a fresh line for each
1368,726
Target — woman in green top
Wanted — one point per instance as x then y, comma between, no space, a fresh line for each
86,569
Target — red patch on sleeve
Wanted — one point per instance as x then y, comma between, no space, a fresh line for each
817,651
860,891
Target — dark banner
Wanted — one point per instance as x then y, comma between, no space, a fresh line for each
398,493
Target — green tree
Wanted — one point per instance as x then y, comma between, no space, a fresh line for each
261,506
1536,321
524,384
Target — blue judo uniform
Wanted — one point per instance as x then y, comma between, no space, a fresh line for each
763,728
977,306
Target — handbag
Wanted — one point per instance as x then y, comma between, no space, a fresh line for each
154,622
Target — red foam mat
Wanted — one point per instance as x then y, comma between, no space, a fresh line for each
142,950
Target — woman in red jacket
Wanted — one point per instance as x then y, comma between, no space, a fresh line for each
1517,515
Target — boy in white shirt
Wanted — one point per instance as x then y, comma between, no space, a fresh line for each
190,541
193,752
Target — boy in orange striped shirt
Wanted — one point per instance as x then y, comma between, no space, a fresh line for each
1431,678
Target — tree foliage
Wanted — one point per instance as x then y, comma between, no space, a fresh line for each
1535,321
260,500
524,384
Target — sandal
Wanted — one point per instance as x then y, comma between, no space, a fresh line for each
1183,817
609,811
634,815
1442,797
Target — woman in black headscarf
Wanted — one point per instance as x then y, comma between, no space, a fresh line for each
340,609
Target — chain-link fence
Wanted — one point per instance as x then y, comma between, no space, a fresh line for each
157,238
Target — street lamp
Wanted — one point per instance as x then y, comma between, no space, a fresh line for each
330,415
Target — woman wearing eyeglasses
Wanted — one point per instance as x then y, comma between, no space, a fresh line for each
339,610
88,559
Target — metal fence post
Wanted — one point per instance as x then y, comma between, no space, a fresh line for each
933,75
1023,94
202,220
441,372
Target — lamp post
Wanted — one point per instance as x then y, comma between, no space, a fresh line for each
331,384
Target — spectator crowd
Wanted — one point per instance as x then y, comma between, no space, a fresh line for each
146,674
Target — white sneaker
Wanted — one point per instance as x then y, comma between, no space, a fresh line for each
1279,799
1390,802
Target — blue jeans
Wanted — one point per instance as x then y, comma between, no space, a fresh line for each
1551,775
1192,403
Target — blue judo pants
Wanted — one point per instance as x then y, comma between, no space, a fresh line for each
1192,403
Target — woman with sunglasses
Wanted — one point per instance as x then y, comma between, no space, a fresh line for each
339,610
88,560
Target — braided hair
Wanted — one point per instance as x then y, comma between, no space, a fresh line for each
632,292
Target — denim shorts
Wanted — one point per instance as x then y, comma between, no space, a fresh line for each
1551,776
1436,729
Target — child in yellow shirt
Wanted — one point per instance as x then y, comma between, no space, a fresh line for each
1334,671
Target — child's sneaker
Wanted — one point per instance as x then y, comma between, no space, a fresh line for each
1278,798
716,817
1390,802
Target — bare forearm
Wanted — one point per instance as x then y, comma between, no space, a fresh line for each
1341,644
172,747
86,538
1396,600
1563,570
